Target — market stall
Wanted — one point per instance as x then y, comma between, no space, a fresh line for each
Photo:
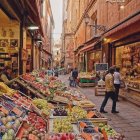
65,115
87,79
128,59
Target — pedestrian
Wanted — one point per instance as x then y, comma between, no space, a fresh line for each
71,79
110,92
75,75
7,78
56,72
117,82
49,72
5,75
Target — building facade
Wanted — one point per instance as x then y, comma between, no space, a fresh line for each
57,55
99,24
23,45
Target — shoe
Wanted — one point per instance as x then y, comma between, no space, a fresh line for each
103,111
115,111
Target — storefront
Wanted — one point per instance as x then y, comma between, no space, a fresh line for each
94,56
9,43
122,48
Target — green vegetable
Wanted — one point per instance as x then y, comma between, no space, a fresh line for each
11,132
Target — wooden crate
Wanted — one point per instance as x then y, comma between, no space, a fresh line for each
86,84
99,91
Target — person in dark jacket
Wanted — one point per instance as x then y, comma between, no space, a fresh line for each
75,75
56,72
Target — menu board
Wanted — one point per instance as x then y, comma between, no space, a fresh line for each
101,66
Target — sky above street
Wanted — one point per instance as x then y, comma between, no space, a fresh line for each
56,6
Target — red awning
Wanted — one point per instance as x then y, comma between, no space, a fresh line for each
88,47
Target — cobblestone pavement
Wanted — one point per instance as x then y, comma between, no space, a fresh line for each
126,122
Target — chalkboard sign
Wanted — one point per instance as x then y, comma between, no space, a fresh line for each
101,66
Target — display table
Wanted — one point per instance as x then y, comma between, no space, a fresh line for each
76,119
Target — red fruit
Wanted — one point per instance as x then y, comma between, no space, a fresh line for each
63,137
71,136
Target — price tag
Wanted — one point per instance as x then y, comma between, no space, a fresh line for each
5,111
17,111
105,135
90,114
70,107
82,124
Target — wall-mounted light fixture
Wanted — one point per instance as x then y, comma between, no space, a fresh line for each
33,27
99,27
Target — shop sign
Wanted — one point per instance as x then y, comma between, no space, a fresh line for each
101,66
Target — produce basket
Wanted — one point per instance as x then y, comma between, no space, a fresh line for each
27,131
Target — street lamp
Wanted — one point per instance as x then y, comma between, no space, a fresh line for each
99,27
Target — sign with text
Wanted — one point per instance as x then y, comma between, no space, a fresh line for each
101,66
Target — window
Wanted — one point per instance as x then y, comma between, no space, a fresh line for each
93,26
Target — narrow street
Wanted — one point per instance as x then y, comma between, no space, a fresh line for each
126,122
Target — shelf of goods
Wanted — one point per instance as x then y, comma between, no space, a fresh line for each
67,116
134,85
132,91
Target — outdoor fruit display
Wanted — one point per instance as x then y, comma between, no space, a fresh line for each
62,136
6,90
42,105
21,100
37,122
112,134
60,112
76,113
62,125
29,132
9,125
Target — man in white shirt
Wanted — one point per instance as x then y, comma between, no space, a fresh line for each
117,82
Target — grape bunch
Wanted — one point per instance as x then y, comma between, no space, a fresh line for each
60,112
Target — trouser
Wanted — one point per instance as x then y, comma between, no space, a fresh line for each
74,82
117,87
71,83
108,95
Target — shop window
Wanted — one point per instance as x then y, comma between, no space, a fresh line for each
128,57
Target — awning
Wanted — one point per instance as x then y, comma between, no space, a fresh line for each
89,45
